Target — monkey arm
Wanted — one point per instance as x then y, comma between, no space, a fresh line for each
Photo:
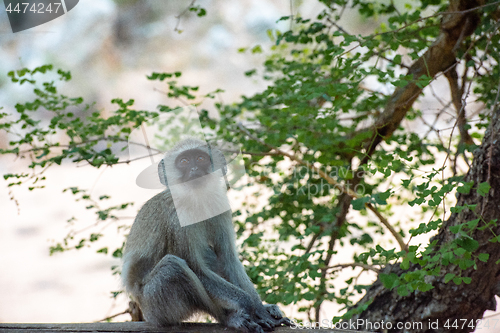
226,253
233,304
233,271
267,316
228,295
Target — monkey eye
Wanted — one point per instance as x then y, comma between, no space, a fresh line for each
184,161
201,158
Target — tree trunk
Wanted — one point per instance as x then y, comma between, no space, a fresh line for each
448,302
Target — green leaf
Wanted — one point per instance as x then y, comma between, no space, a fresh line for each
405,264
202,12
389,280
401,83
309,296
457,209
117,253
472,224
359,204
251,72
483,257
465,188
423,287
380,198
468,243
448,277
483,189
94,237
403,290
256,49
406,182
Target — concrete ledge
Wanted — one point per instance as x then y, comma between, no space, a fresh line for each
135,327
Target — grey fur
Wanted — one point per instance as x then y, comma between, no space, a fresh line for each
173,272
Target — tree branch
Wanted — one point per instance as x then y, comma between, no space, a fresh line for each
438,58
354,265
456,97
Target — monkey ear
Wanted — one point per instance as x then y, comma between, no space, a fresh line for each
224,166
223,163
220,161
162,174
217,160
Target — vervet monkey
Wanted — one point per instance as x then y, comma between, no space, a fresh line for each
173,271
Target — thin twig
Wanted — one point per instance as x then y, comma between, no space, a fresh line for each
456,97
354,265
113,316
178,17
253,153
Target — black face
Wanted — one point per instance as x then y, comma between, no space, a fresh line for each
193,163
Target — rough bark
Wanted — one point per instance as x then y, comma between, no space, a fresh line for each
448,301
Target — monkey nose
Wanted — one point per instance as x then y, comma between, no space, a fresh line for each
195,173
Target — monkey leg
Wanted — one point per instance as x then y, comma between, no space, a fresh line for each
171,293
267,316
233,303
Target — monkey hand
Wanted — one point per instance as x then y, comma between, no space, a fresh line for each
242,322
276,313
270,316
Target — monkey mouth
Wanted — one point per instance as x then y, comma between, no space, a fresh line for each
196,175
196,182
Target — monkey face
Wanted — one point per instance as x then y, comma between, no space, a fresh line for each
194,173
192,164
